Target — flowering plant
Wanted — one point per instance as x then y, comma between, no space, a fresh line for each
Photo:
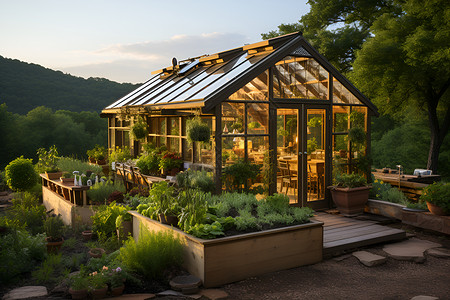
117,277
170,160
97,280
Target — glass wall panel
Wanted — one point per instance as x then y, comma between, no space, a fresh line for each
342,95
153,125
340,118
257,118
232,150
161,126
174,144
174,126
300,77
257,89
286,131
187,150
233,118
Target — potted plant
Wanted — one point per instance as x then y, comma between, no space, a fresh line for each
48,162
98,285
116,281
91,155
54,227
350,193
96,252
197,131
79,285
100,155
437,196
139,129
170,163
87,235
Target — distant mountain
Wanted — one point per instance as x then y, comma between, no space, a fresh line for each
25,86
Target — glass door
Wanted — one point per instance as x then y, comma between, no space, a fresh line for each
301,140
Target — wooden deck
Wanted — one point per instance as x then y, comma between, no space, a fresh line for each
342,234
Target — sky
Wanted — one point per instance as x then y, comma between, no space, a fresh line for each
125,41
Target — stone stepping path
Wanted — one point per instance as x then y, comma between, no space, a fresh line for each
188,284
369,259
439,252
26,292
412,249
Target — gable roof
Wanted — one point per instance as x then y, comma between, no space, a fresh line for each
208,80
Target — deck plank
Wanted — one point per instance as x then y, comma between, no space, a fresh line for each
342,234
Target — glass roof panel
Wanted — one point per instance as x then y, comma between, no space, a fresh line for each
136,93
257,89
217,82
224,69
186,83
342,95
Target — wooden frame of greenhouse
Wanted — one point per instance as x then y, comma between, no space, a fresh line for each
276,102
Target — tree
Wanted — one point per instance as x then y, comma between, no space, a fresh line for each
338,45
407,64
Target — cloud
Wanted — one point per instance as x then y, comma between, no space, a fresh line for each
134,62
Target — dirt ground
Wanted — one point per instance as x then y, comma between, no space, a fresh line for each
345,277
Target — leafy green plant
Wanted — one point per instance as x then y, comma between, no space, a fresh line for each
69,165
20,174
197,130
19,253
201,180
48,159
357,135
438,194
154,253
51,271
148,163
120,154
139,129
350,180
104,220
54,228
237,177
194,208
79,282
100,192
27,212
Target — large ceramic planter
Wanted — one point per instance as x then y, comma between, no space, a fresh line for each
117,291
350,201
229,259
436,210
99,293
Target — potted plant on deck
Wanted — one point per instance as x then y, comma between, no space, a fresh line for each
54,228
350,194
437,196
79,285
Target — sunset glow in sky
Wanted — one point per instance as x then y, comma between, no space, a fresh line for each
125,40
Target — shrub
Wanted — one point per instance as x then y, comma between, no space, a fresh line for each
394,195
120,154
54,228
48,159
27,212
238,175
154,253
19,253
20,174
170,160
438,194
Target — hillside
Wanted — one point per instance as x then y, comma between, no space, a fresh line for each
25,86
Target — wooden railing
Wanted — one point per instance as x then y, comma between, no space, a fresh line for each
74,194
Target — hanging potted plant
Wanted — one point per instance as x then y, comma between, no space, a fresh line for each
54,227
139,129
197,130
437,196
350,194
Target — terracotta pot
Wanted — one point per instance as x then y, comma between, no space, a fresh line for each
117,291
101,162
96,252
54,247
87,235
350,201
79,294
174,172
91,160
100,293
436,210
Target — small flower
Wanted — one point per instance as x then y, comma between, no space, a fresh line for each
105,268
118,269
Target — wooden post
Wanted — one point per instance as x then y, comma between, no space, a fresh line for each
218,148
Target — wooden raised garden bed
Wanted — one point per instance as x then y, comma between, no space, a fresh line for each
385,208
229,259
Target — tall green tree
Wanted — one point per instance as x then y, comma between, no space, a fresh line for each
407,64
